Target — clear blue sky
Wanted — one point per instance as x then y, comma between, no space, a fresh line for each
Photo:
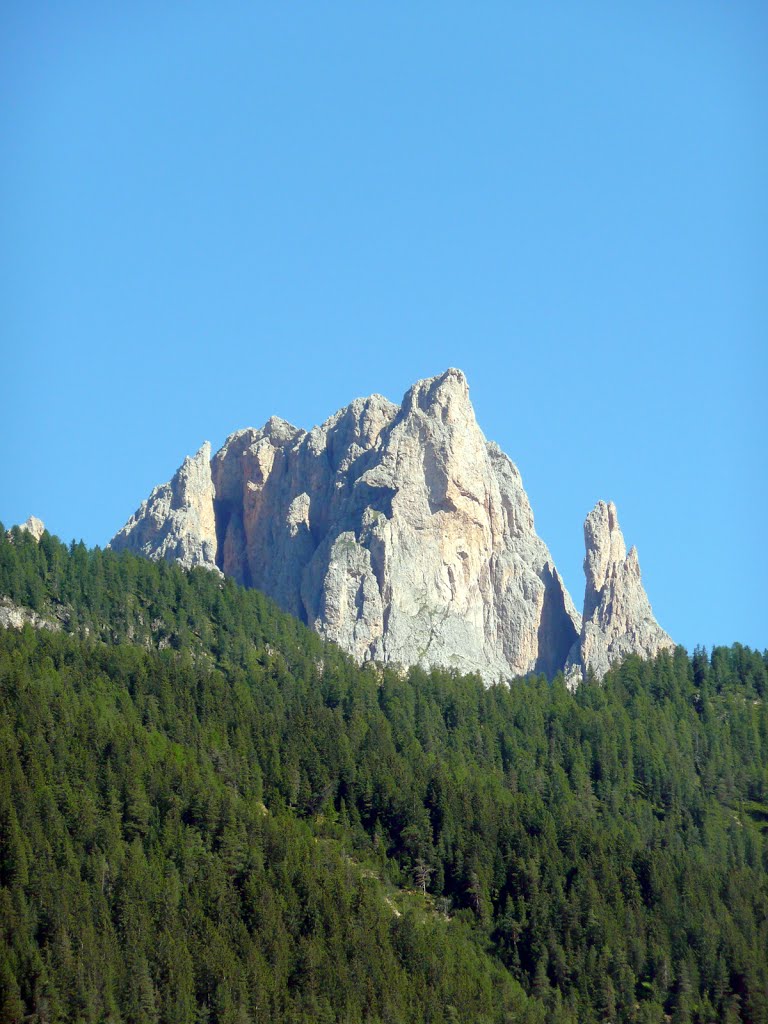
210,213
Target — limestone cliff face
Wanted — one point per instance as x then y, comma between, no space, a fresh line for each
177,520
397,531
617,614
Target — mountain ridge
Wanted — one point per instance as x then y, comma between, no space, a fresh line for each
399,532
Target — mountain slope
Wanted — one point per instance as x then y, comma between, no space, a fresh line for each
218,820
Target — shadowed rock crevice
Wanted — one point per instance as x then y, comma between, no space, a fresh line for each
557,632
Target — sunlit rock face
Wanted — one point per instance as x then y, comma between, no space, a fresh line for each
177,521
34,527
397,531
617,618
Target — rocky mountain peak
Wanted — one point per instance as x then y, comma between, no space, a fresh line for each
177,522
400,533
445,396
605,547
618,619
280,431
34,526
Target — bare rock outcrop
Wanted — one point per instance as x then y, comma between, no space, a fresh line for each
177,521
403,535
438,562
617,618
397,531
34,526
15,616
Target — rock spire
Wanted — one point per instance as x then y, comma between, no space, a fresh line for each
34,526
617,616
177,521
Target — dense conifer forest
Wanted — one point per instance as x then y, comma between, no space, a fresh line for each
209,815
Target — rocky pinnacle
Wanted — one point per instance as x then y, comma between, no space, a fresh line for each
34,526
177,521
617,616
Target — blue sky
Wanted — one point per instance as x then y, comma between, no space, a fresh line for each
213,213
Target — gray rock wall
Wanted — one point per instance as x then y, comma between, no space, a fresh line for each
397,531
617,617
177,521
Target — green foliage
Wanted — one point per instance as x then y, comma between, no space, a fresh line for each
206,813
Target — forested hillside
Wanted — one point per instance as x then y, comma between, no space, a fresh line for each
208,814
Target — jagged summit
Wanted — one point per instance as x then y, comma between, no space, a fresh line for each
34,526
177,521
397,531
448,393
617,613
